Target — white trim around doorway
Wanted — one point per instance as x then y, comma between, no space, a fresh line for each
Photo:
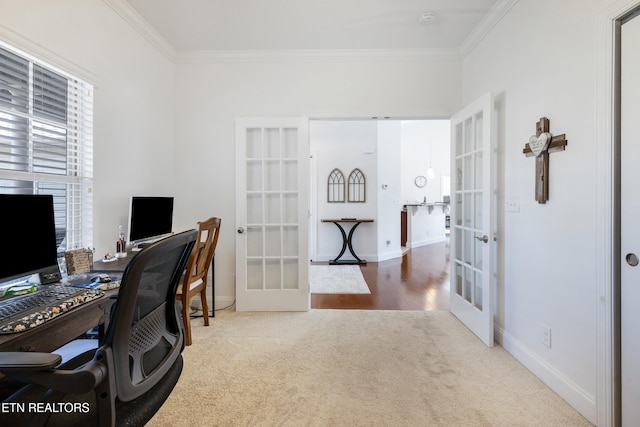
606,341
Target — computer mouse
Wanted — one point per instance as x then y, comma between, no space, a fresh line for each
101,278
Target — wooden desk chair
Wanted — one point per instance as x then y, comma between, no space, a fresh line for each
195,277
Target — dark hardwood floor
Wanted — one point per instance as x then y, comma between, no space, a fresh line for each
417,281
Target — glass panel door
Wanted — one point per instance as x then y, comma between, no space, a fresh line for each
271,214
471,229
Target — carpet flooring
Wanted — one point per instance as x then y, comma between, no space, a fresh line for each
354,368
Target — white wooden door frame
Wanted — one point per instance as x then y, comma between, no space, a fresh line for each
313,204
607,196
629,94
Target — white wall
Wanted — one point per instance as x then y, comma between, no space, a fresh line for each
389,189
547,254
374,148
425,225
165,128
134,99
424,144
209,96
345,145
402,151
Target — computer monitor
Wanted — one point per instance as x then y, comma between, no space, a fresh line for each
150,218
28,238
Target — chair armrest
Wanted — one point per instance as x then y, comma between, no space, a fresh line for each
38,368
28,361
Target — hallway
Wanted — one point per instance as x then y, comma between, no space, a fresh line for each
417,281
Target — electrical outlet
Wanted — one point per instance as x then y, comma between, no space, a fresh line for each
546,335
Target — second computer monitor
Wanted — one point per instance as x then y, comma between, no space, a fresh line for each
150,218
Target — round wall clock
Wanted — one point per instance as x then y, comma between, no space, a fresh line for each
420,181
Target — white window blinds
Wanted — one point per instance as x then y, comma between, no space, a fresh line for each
46,141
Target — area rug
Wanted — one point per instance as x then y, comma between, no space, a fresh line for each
337,279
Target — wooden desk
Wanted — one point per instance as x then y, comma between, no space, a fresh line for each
119,265
57,332
116,266
347,240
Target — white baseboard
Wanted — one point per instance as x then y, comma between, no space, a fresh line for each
426,242
224,302
220,302
346,257
388,255
578,398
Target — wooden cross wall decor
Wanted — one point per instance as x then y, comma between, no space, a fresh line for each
540,145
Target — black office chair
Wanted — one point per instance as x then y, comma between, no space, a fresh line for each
128,378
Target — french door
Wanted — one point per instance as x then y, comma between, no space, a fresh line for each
272,202
471,293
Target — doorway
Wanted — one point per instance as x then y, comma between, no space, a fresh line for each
391,154
417,281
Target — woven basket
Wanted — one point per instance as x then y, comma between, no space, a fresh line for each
78,261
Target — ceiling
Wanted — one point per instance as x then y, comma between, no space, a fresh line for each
258,25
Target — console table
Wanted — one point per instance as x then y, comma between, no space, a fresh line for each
347,240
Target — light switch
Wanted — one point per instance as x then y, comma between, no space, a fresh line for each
512,204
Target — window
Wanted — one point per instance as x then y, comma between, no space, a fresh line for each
46,141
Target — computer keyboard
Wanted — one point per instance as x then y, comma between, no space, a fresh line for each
29,311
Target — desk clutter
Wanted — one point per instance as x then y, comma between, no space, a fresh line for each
102,282
45,302
29,311
78,261
16,290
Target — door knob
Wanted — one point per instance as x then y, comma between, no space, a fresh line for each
240,230
483,239
632,259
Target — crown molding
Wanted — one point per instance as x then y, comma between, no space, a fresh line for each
495,15
133,18
138,23
325,55
33,50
